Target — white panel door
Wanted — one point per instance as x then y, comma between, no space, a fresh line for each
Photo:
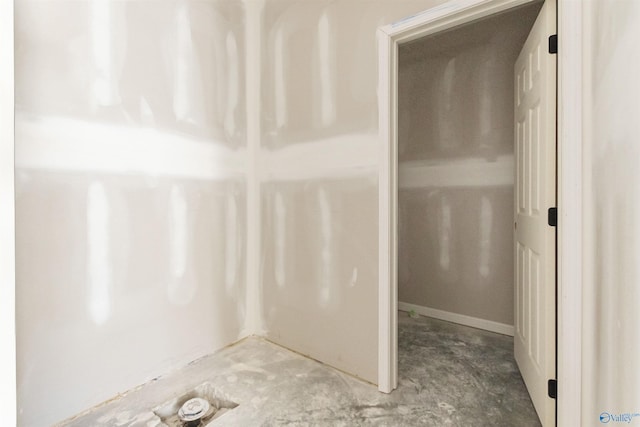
535,128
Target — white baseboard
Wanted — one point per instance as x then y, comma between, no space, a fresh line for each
474,322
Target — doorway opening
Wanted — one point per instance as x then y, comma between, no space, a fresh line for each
453,170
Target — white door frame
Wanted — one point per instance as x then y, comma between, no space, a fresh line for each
569,254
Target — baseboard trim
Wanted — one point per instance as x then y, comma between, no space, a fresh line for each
474,322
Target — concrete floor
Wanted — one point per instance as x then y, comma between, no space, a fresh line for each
449,375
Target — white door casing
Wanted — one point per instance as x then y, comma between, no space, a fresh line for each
535,257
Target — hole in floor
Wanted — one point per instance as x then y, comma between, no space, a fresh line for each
195,408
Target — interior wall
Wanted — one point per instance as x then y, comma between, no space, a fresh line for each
316,141
319,175
7,221
611,288
456,167
130,195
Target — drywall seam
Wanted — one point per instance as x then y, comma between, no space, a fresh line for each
7,221
70,145
99,255
317,159
469,173
474,322
254,324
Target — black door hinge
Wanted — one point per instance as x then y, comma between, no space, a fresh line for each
552,217
553,43
552,387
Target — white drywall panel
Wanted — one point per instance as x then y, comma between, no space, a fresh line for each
455,250
319,266
611,285
130,195
456,167
7,216
319,173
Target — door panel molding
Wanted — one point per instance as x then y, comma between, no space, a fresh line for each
535,240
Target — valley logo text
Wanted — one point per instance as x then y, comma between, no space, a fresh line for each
627,417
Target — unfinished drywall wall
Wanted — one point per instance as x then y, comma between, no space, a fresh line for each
130,195
611,285
319,177
456,168
7,221
315,269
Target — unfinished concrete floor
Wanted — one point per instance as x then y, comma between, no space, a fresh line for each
449,375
